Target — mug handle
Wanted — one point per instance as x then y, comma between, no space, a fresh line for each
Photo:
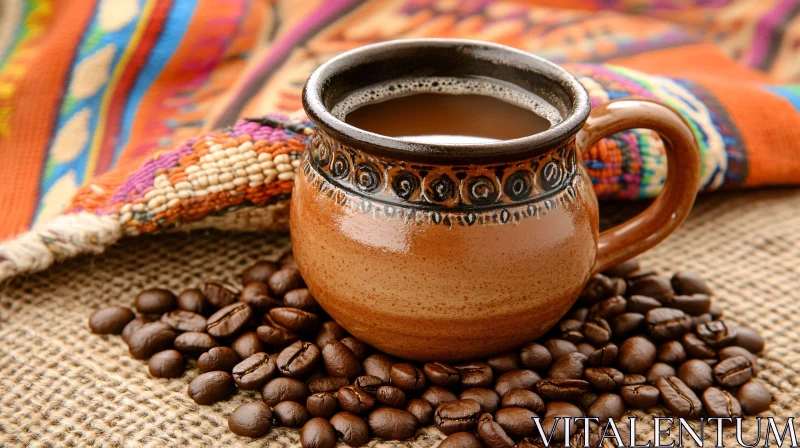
673,204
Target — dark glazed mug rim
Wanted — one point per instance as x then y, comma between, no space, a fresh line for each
537,71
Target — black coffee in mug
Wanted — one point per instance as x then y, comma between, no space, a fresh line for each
447,110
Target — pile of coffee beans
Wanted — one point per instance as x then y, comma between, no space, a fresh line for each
634,339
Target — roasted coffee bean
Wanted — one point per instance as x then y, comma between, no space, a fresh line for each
733,350
642,304
317,433
150,339
394,397
696,374
626,323
290,414
284,389
294,320
695,304
679,398
653,286
279,337
640,396
569,366
571,330
111,320
585,348
607,406
640,273
667,323
520,398
251,419
516,379
352,429
659,370
504,362
256,294
211,387
329,331
219,294
562,409
457,416
155,301
620,287
254,371
184,320
750,340
604,356
720,403
486,398
561,389
247,344
301,298
167,364
328,384
218,358
517,422
340,360
408,377
717,334
754,397
701,319
442,374
492,434
733,372
595,333
132,327
259,272
634,378
322,404
379,365
716,312
315,374
285,280
690,283
194,343
368,383
298,360
422,410
475,374
288,261
636,355
608,308
623,269
436,395
604,379
193,300
696,348
461,440
598,287
392,424
671,352
579,314
558,348
229,320
535,357
357,347
352,399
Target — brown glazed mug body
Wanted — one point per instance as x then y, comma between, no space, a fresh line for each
459,251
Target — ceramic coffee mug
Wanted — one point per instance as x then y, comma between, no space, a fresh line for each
459,251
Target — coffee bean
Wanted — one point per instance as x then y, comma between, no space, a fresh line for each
392,424
111,320
254,371
279,337
607,406
340,360
436,395
671,352
442,374
194,343
193,300
327,384
750,340
155,301
578,313
733,372
285,280
218,358
504,362
395,398
585,348
422,410
475,374
696,374
150,339
653,286
733,350
219,294
558,348
295,320
595,333
408,377
229,320
486,398
569,366
720,403
298,360
561,389
256,294
640,396
317,433
284,389
322,404
604,356
701,319
492,433
679,398
642,304
290,414
633,378
717,334
259,272
535,357
211,387
636,354
132,327
352,429
598,287
620,287
696,348
184,320
754,397
368,383
379,365
521,398
695,304
563,409
358,348
352,399
330,331
457,416
251,419
667,323
517,422
623,269
626,323
587,399
301,298
247,344
608,308
461,440
604,379
690,283
570,330
516,379
167,364
659,370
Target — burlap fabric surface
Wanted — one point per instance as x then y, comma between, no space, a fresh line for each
60,385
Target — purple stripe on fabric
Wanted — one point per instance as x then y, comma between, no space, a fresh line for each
764,28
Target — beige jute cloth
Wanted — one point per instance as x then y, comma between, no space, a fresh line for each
60,385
